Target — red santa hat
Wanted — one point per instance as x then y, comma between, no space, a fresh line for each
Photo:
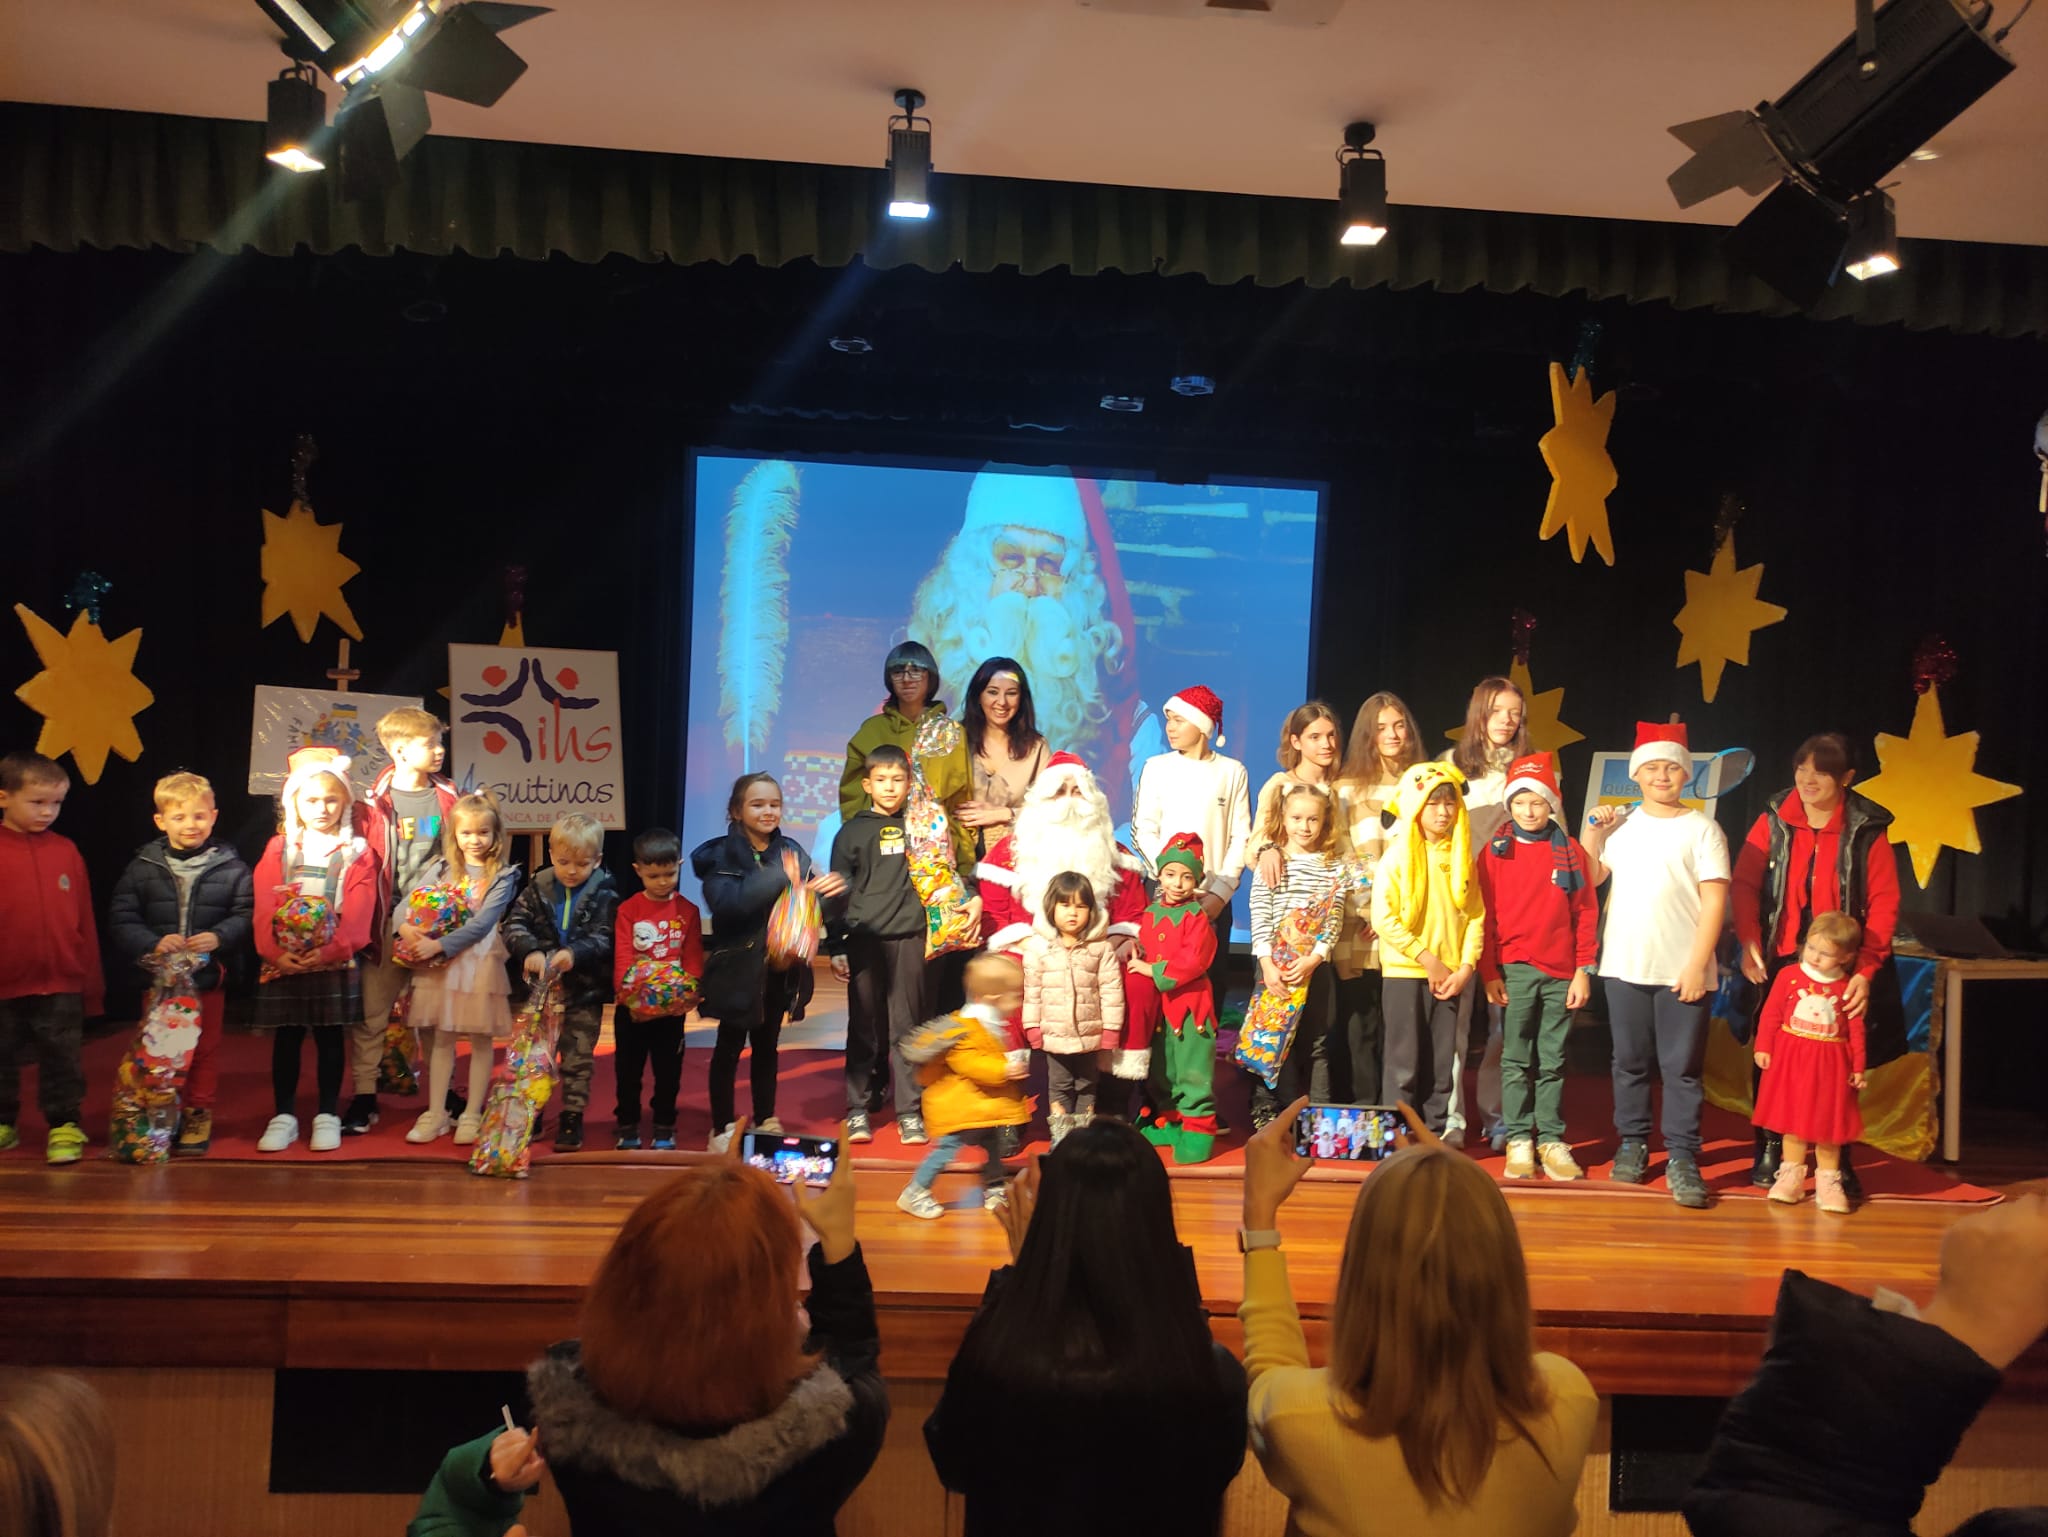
1061,765
1183,849
1202,708
1534,773
1663,741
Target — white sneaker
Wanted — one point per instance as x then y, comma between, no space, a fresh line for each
773,1126
468,1128
431,1125
721,1141
995,1198
326,1134
918,1202
280,1134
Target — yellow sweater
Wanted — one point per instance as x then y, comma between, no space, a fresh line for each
1452,933
1340,1483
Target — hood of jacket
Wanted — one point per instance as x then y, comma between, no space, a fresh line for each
585,1433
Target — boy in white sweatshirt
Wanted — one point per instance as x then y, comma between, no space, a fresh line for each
1195,789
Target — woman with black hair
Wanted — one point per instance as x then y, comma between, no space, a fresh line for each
1005,749
1095,1340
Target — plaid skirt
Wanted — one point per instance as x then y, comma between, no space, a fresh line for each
322,999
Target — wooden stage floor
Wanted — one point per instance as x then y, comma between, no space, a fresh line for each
241,1265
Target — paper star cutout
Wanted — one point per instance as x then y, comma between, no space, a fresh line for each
303,569
1721,610
1539,715
1929,783
87,693
1581,473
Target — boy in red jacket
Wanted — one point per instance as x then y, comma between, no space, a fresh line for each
50,975
657,975
1542,935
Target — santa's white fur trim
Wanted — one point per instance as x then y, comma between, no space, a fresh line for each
1124,928
1008,938
998,875
1133,1064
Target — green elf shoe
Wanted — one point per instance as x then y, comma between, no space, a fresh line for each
1194,1147
1162,1134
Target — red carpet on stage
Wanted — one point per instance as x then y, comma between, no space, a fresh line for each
812,1099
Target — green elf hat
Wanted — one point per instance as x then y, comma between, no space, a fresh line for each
1182,849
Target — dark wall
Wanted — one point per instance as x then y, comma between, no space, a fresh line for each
471,414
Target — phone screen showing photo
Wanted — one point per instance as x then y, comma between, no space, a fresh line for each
1346,1133
810,1160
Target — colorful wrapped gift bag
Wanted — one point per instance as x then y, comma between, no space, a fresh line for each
152,1071
398,1068
437,912
657,989
1270,1022
794,921
947,926
523,1085
300,925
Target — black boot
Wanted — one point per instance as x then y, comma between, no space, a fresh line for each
1770,1152
1852,1187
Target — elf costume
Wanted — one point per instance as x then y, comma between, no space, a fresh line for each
1177,944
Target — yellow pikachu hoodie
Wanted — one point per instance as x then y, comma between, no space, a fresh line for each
1425,895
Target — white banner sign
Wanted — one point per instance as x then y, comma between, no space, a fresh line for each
539,728
287,719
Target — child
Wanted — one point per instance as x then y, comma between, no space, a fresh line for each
1431,922
1385,742
402,820
459,986
1194,789
1811,1048
563,922
973,1082
317,990
1664,917
1303,913
1168,981
188,890
50,975
876,941
656,933
1073,999
1542,934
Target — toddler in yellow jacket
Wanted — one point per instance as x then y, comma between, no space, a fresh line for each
973,1076
1431,923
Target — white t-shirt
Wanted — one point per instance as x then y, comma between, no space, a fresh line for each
1653,907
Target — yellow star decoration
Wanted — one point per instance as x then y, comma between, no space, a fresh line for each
87,692
303,569
1929,783
1581,474
1539,717
1721,610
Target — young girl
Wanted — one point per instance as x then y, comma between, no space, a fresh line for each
460,988
1295,923
1385,743
1073,999
318,989
742,874
1811,1048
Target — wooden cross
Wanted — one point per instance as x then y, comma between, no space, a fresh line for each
341,673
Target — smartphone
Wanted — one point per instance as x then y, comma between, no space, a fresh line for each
790,1159
1353,1133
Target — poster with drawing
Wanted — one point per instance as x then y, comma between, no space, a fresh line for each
539,727
286,719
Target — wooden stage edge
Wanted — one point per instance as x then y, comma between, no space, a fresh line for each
224,1265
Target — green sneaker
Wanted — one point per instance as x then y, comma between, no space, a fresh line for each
66,1144
9,1137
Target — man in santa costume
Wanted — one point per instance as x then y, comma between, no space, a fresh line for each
1169,979
1065,824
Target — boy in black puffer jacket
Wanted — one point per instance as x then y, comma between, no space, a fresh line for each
187,891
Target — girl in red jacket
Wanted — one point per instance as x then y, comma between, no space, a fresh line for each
1811,1048
316,894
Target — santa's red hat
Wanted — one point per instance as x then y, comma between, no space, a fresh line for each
1060,766
1534,773
1184,849
1202,708
1663,741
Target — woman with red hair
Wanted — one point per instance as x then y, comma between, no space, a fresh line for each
699,1398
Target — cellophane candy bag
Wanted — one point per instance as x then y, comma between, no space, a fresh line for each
300,925
794,921
436,911
522,1087
152,1072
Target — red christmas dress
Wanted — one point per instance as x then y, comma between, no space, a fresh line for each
1814,1046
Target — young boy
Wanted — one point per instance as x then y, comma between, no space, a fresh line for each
1195,789
563,921
876,941
1169,980
400,819
1664,917
188,890
50,975
1542,934
1431,923
973,1081
658,943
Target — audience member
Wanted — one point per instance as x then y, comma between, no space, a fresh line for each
481,1488
56,1457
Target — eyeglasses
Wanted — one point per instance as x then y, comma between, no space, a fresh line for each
905,669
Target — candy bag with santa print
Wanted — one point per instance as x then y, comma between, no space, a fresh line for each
522,1087
397,1069
152,1072
947,925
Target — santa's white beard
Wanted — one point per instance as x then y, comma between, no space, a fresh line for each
1070,832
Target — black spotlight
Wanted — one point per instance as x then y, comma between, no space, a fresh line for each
294,124
1873,248
1910,69
910,159
377,127
1361,188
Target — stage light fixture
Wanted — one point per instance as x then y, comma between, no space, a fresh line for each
295,120
1909,70
375,128
1192,385
910,159
1128,405
1361,188
1873,248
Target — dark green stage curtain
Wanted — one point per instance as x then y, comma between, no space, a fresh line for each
72,176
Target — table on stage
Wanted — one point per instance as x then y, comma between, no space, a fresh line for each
1951,974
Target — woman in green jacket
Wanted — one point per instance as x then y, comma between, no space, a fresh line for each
480,1488
914,719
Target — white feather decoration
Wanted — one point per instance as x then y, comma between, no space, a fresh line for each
753,599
